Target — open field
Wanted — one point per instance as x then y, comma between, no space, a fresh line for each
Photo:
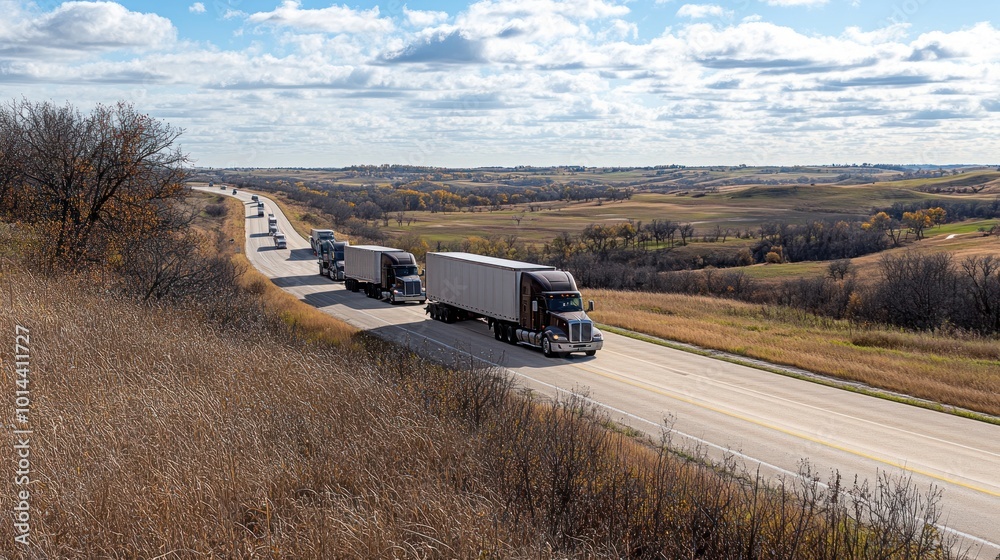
707,197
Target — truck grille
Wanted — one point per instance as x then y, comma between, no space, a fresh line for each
581,331
411,287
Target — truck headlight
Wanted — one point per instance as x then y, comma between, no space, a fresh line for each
555,337
598,335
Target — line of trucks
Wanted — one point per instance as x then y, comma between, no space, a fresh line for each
522,303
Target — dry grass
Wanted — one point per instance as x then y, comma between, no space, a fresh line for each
963,372
157,435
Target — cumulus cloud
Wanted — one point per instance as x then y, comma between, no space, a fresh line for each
450,48
701,11
536,20
77,28
197,8
424,18
334,19
514,77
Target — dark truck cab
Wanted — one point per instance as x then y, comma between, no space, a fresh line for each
331,259
401,278
552,314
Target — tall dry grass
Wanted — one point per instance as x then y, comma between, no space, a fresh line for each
157,436
952,369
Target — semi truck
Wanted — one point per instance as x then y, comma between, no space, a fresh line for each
383,273
272,224
317,236
279,241
260,209
331,259
523,303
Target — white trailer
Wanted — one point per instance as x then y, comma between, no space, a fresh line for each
487,286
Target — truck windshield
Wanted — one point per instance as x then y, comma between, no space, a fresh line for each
409,270
565,302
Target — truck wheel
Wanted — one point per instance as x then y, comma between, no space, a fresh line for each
547,349
511,334
498,331
590,352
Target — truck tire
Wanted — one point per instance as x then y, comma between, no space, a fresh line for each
591,352
497,330
547,349
511,334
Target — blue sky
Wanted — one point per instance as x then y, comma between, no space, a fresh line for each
538,82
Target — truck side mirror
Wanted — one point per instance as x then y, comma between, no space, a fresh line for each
534,307
590,305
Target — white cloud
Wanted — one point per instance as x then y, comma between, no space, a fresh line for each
78,28
619,29
526,81
334,19
422,18
701,11
197,8
536,20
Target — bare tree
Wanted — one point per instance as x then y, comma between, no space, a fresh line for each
89,183
839,269
687,232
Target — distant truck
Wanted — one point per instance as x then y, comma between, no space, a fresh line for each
317,236
260,209
254,198
279,241
331,259
522,302
272,224
383,273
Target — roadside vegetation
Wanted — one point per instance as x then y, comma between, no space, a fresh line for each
217,419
